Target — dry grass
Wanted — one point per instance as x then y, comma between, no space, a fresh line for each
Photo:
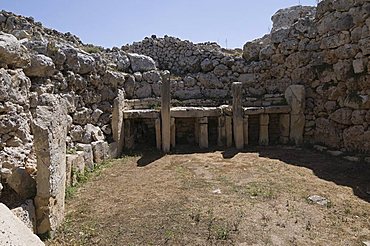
173,200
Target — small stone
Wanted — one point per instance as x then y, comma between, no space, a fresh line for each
320,148
216,191
335,152
352,158
318,200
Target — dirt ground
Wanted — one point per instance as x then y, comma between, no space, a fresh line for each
258,197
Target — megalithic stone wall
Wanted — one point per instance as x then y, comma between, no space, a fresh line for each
50,131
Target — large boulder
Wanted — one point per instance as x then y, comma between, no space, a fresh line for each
12,52
22,183
41,66
14,86
285,18
14,232
141,63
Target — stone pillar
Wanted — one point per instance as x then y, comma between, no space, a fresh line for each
237,115
221,131
196,130
117,121
229,131
165,113
158,136
264,129
246,130
284,126
129,138
295,96
203,132
173,133
50,131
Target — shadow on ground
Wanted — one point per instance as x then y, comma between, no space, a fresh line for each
329,168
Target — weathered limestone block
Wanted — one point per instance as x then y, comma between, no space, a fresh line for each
297,124
117,121
238,122
229,131
22,183
129,137
173,133
284,126
27,214
14,87
203,133
141,63
285,18
158,135
113,150
295,96
12,52
246,130
88,155
75,164
165,113
41,66
100,151
50,132
221,136
342,116
356,138
14,232
264,129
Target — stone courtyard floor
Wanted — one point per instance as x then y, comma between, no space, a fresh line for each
257,197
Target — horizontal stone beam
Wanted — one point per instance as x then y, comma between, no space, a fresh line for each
141,114
195,112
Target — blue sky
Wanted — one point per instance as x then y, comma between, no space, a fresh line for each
116,22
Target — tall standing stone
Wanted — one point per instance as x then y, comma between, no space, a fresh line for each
158,136
295,96
238,122
165,113
203,133
50,132
246,130
229,131
117,121
264,129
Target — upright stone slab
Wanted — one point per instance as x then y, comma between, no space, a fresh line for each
284,126
264,129
196,130
229,131
238,122
117,121
158,136
50,132
295,96
221,131
246,130
88,155
129,138
203,133
100,151
165,113
173,133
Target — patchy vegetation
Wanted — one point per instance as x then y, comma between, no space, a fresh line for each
259,197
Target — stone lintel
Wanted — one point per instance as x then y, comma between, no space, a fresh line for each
195,112
141,114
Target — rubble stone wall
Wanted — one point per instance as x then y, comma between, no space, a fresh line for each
324,48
